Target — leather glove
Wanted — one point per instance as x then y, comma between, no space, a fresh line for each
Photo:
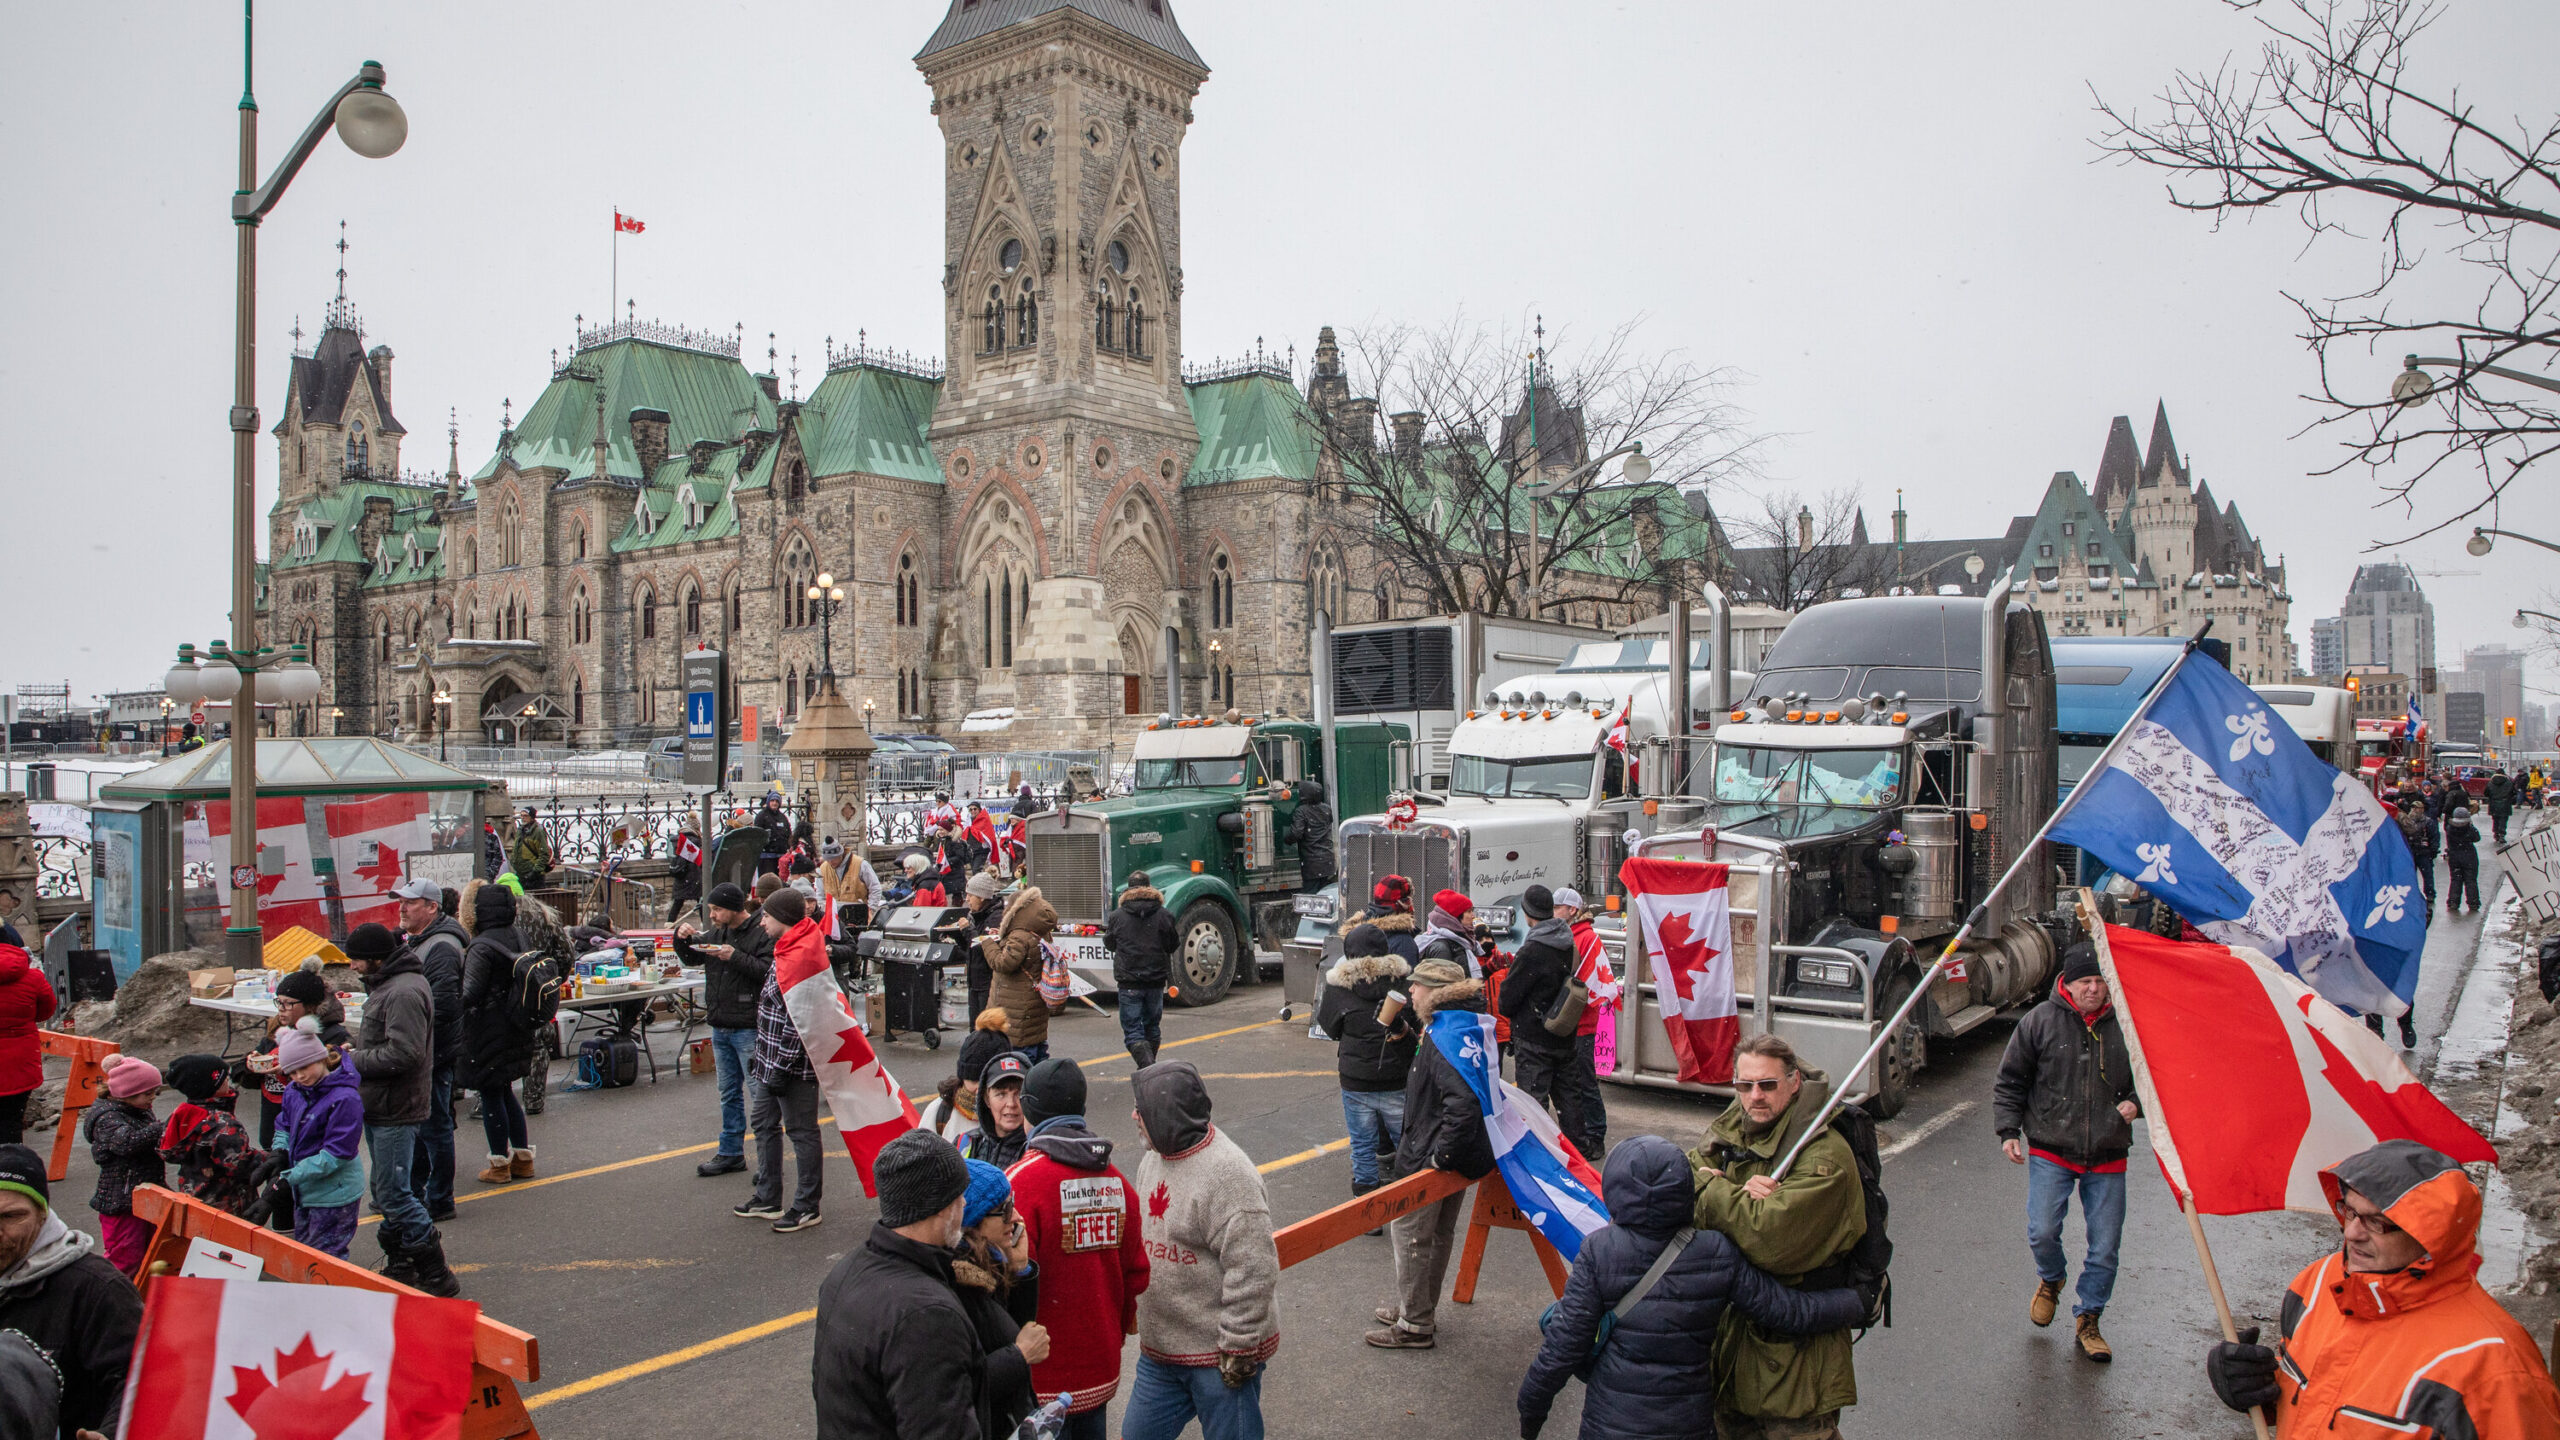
1238,1370
2243,1374
1530,1425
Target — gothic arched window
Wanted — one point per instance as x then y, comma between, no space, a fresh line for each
647,605
1026,316
1103,336
995,320
1222,592
737,608
577,699
1137,325
692,603
909,593
791,693
799,572
580,627
1007,625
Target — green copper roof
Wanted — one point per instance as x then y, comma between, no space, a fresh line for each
2066,503
870,421
706,397
332,520
659,514
1252,427
339,765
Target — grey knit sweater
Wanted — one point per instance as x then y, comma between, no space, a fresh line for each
1212,1269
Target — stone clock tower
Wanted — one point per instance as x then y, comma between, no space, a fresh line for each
1063,430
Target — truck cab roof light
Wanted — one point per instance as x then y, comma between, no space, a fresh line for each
1197,867
1830,717
1901,717
1470,715
1546,714
1737,717
1794,716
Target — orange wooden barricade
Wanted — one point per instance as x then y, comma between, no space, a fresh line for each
88,1081
503,1357
1354,1218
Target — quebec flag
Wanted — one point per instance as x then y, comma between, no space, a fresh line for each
1554,1187
2213,804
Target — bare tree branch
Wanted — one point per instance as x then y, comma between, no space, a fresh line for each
1792,551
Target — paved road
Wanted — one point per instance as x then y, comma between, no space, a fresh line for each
660,1314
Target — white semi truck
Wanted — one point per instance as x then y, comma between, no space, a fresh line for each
1425,674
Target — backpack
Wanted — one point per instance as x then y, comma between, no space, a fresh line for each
609,1061
533,989
1866,1264
1608,1325
2548,968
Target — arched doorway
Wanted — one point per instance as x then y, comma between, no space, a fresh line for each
498,706
1134,666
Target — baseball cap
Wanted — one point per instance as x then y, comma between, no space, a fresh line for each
1011,1065
1569,896
419,888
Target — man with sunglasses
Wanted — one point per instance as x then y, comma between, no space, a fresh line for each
2392,1334
1771,1386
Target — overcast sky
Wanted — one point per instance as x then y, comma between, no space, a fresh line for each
1887,218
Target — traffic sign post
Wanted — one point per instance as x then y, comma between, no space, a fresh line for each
706,725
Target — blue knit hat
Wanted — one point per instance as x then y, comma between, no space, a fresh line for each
988,1191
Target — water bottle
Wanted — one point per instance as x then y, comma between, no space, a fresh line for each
1047,1422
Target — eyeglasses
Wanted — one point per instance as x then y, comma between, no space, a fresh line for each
2378,1225
1744,1087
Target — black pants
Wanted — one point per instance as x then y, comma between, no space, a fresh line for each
2498,825
2427,876
13,1118
1563,1081
2462,879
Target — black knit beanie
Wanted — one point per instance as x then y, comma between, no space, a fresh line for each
984,1044
197,1077
304,987
370,941
22,1172
1055,1087
2080,962
918,1173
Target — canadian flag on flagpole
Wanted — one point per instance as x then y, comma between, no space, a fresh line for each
1688,943
2207,1023
870,1107
246,1360
627,224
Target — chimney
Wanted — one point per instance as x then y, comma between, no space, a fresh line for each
1355,421
701,454
649,438
380,359
1804,529
772,387
1408,428
1901,520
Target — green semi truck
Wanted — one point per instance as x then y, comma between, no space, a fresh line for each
1207,818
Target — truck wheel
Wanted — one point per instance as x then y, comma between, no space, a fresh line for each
1902,1057
1205,962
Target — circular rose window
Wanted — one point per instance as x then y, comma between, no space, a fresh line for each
1101,457
960,466
1031,457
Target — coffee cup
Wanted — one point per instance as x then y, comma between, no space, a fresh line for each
1392,1006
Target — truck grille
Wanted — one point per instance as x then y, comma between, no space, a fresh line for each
1067,866
1427,857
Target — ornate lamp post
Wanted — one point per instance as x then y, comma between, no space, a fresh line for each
242,682
444,719
824,597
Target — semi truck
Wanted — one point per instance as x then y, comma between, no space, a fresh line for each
1421,673
1889,760
1207,819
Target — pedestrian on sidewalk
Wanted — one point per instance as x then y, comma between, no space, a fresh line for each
1207,1324
1591,971
124,1140
953,1112
1779,1387
1082,1214
319,1129
1451,933
1390,908
1002,1132
2392,1332
2064,1105
1015,957
26,1002
2461,861
786,1084
440,942
499,1046
1372,1058
999,1285
1141,938
394,1059
735,957
2500,796
1311,830
980,914
203,1138
2418,828
1654,1376
59,1293
530,855
896,1354
1443,1130
1555,1070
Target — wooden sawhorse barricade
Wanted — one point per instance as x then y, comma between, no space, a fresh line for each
502,1357
88,1081
1492,1211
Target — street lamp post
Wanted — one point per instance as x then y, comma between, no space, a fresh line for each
444,719
1636,471
866,714
2481,540
2536,614
2412,385
372,124
824,597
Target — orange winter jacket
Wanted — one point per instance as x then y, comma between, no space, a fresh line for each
2423,1353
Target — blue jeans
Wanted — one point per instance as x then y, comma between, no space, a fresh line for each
392,1150
1375,1119
1165,1398
433,1165
730,1051
2049,1188
1141,1014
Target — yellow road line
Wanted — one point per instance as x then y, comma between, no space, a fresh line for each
651,1366
1285,1161
1268,1075
518,1186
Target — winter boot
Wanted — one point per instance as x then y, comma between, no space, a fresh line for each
2048,1296
1138,1055
498,1172
520,1163
434,1275
1358,1190
2408,1034
2093,1344
398,1264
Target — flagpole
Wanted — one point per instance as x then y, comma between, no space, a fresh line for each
1982,911
615,301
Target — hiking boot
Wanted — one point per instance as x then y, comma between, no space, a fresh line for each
795,1219
1397,1337
520,1163
498,1173
1387,1314
434,1275
2408,1034
399,1265
2093,1344
721,1165
2048,1297
757,1210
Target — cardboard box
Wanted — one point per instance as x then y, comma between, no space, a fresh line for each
209,984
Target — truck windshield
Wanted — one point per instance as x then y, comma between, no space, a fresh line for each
1752,775
1547,777
1198,771
2078,753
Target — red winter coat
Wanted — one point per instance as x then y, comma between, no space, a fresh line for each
26,1001
1082,1218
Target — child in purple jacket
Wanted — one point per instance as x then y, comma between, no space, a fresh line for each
319,1129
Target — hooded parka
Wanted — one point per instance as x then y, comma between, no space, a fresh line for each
1141,938
1014,956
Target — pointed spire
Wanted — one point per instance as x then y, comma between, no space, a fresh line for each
2162,455
342,262
2119,468
297,334
453,454
601,445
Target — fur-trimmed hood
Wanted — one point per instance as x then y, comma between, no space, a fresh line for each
1352,970
1032,912
1462,995
1394,922
1142,892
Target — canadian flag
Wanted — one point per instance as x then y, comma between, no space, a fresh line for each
870,1108
627,224
1688,944
689,849
290,889
1616,739
248,1360
2209,1023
